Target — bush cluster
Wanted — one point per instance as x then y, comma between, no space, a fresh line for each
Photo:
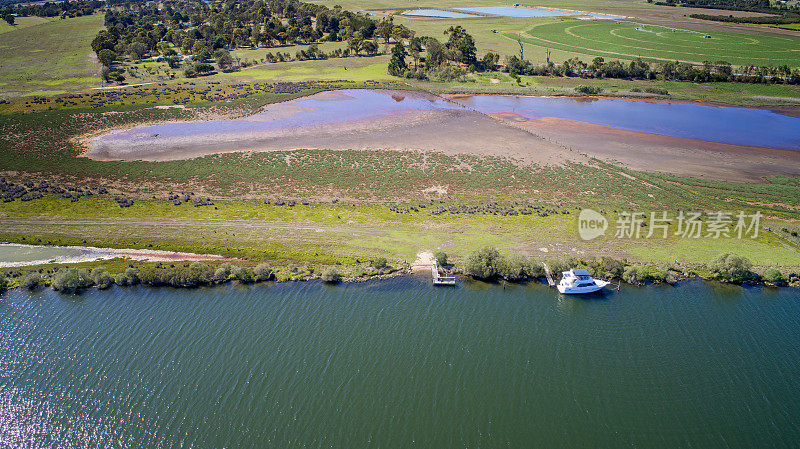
732,268
489,263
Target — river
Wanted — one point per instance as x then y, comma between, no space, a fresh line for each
396,363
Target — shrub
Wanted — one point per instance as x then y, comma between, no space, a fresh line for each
191,276
483,263
203,67
243,275
732,268
262,272
560,265
331,276
656,90
3,283
639,274
512,268
129,277
534,269
101,278
441,258
30,281
223,272
71,280
447,73
588,90
379,263
774,276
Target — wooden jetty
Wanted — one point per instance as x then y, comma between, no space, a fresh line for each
439,279
549,277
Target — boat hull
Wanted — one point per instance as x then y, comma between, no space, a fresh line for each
599,285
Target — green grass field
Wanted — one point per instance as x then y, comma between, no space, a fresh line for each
22,22
624,40
50,55
329,233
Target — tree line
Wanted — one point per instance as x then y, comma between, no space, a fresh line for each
456,56
68,8
209,30
719,71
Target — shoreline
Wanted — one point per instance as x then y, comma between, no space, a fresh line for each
96,254
461,279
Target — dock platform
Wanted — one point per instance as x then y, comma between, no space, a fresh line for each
438,279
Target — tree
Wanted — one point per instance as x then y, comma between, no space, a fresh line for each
354,44
461,43
106,57
435,53
10,18
136,50
489,61
397,64
385,28
224,59
369,47
415,48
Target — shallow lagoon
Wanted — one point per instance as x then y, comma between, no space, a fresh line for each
439,13
508,11
325,108
738,126
396,363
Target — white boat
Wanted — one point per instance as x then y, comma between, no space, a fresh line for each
578,281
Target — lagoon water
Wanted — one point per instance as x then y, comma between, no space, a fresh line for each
438,13
507,11
326,108
15,254
738,126
398,364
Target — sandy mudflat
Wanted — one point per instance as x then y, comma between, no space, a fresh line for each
451,131
401,120
664,154
76,254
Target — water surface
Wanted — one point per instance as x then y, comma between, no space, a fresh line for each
14,254
326,108
508,11
438,13
738,126
398,364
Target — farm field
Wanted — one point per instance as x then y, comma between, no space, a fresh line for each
623,40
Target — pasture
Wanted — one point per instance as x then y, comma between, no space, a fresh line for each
625,40
50,55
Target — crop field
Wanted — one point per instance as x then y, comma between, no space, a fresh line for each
624,40
52,56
